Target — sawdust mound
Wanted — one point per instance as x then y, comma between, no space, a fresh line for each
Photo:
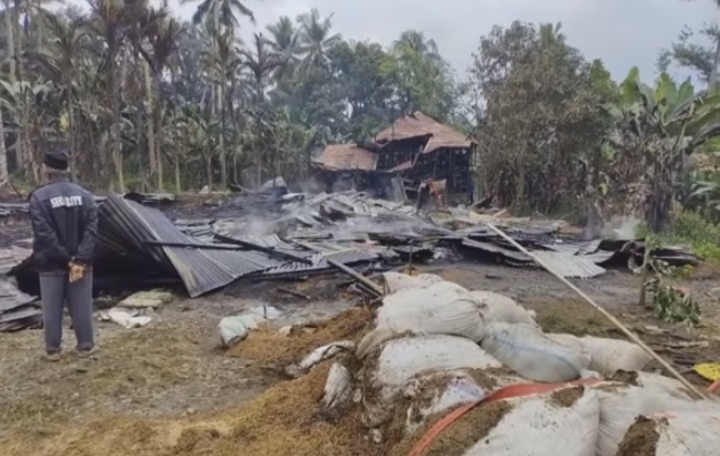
265,346
285,420
640,440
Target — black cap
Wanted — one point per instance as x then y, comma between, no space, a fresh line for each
57,160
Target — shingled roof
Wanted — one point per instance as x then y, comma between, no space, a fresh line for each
341,157
417,125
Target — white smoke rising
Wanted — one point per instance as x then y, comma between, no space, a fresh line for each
621,227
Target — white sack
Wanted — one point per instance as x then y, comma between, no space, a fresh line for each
533,355
402,359
440,308
457,388
687,433
498,308
338,387
397,281
537,427
621,405
573,343
317,356
611,355
235,329
659,382
127,318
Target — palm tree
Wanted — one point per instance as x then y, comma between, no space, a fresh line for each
262,61
164,38
285,42
59,63
107,22
217,13
416,41
316,39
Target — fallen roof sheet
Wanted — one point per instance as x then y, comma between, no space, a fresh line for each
17,310
569,266
201,269
10,258
320,261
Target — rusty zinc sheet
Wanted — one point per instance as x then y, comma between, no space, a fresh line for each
346,157
417,125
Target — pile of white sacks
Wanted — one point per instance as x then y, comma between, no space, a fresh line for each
432,332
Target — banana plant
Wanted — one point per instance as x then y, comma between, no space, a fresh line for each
23,101
662,125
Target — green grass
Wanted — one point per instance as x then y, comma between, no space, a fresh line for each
695,231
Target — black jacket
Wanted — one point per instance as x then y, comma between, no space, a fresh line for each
64,220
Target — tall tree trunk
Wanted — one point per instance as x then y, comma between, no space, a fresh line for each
150,121
208,169
158,116
223,152
39,26
140,140
178,188
18,37
4,175
10,33
116,146
71,138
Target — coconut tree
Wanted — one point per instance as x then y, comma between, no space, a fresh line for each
164,37
107,22
316,39
286,44
58,61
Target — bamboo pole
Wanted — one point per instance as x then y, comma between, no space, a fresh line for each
632,336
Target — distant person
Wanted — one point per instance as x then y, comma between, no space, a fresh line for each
64,221
426,188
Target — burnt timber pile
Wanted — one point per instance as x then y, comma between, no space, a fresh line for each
275,234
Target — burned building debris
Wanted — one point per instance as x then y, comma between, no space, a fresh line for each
414,148
139,247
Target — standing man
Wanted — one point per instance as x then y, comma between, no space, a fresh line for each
64,221
425,190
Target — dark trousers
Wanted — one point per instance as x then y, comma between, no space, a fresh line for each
55,291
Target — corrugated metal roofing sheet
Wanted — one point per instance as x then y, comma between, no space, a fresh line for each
17,310
201,270
320,261
347,157
419,124
570,265
9,258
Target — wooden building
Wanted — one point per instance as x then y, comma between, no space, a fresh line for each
415,147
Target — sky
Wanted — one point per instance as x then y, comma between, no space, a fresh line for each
623,33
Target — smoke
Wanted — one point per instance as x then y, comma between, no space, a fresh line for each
621,227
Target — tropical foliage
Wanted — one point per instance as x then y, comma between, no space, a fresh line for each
144,101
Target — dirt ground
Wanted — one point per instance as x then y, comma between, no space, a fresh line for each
170,374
